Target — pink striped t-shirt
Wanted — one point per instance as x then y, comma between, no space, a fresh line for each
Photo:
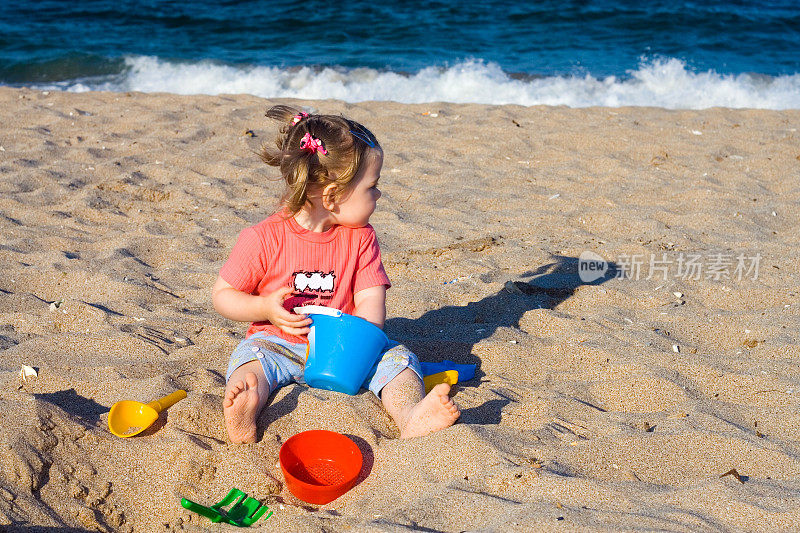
325,268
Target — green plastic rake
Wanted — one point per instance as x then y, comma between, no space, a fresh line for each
243,511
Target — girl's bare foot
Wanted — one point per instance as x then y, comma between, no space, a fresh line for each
434,412
240,408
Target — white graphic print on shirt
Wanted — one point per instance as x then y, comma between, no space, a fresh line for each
313,281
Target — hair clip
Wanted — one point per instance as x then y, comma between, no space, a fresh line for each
363,137
297,118
312,145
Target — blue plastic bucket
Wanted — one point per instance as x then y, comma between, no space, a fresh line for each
342,349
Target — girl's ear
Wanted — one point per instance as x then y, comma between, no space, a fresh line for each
328,197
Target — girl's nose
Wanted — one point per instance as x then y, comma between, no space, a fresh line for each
379,194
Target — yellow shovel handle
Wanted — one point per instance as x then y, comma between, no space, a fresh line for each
167,401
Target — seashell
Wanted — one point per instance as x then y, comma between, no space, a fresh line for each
27,372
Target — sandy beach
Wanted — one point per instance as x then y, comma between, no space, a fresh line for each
613,405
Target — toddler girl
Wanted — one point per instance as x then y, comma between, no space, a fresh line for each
317,249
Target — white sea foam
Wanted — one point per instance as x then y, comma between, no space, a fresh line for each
663,82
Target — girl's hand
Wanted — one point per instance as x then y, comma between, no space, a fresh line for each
237,305
289,322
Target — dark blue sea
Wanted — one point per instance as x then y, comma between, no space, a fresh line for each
663,53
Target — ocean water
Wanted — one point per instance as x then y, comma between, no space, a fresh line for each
611,53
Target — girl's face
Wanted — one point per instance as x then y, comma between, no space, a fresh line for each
354,209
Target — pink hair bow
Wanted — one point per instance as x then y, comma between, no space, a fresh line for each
312,145
298,118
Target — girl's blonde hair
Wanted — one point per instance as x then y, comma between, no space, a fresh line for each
347,143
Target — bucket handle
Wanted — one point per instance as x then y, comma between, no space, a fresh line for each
317,310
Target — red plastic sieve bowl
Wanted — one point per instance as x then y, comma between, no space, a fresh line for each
319,466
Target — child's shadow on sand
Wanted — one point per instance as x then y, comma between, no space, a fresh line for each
451,332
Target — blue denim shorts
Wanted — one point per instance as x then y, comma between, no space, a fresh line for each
284,362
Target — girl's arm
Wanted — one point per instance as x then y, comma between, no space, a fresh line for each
237,305
371,304
242,307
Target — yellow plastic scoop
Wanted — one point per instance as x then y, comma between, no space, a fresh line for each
128,418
